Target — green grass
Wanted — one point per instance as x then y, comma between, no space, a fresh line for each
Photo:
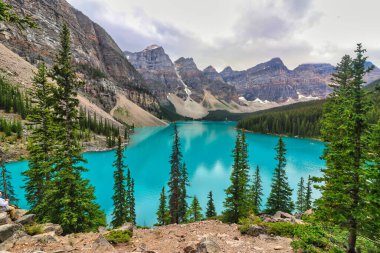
34,229
119,236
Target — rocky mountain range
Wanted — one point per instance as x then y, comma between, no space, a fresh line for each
97,57
270,83
126,85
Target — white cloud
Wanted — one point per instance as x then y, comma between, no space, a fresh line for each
241,33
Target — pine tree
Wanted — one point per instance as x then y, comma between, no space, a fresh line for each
195,211
344,126
41,141
280,197
130,199
163,217
257,191
184,183
69,199
237,204
6,186
308,195
119,200
301,200
175,180
210,212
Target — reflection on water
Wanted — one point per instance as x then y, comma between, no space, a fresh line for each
207,152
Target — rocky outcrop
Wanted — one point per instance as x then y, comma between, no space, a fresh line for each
157,70
97,57
197,81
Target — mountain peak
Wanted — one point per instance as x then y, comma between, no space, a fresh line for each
152,47
210,69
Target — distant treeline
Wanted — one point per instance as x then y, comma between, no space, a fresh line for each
12,99
301,119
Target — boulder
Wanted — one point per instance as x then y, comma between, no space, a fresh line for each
50,227
8,230
102,230
19,213
126,226
4,218
255,230
26,219
309,212
45,238
10,242
102,245
282,215
207,245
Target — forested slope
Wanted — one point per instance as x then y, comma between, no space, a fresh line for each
301,119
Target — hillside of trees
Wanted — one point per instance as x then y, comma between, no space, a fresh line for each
300,119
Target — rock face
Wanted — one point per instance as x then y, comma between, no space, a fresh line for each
199,81
95,53
273,81
158,71
7,230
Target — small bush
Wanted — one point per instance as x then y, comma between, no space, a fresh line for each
284,229
34,229
246,223
119,236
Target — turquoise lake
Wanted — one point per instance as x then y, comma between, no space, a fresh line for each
206,148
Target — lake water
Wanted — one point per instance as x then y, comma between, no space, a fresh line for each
206,150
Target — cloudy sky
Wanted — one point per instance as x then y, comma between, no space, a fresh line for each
242,33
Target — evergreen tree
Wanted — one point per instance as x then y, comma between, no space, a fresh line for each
163,217
210,212
184,182
6,186
41,141
344,126
130,199
175,180
280,197
119,200
237,204
195,211
301,194
69,199
257,191
8,15
308,198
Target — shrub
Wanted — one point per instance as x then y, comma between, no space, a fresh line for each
119,236
34,229
246,223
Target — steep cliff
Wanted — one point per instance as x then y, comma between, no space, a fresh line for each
95,53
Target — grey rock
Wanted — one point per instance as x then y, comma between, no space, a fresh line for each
26,219
282,215
207,245
255,230
45,238
126,226
7,230
10,242
102,245
50,227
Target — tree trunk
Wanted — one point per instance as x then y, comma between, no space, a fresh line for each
352,238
